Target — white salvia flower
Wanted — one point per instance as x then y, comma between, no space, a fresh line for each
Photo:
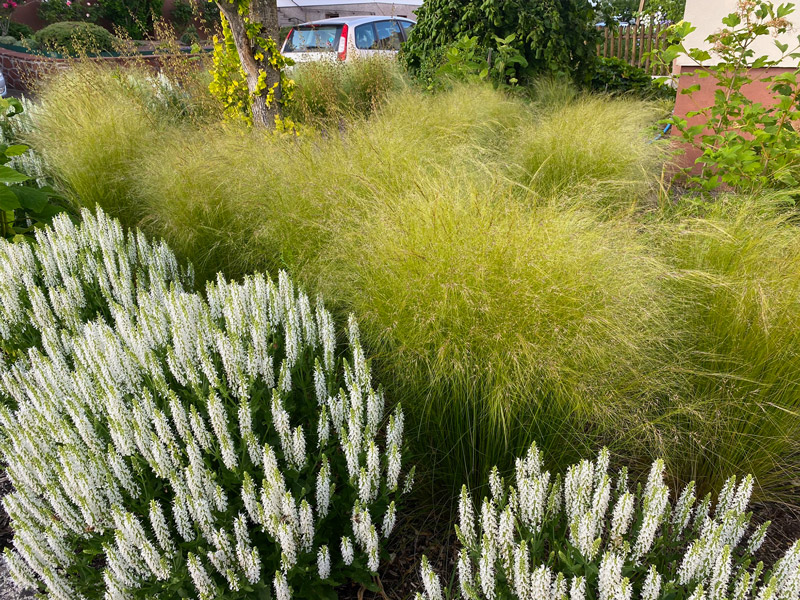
323,488
725,497
496,484
486,567
655,503
741,590
409,483
205,586
698,594
373,556
652,585
621,518
541,581
577,589
323,562
389,519
683,509
466,579
281,587
347,551
505,536
306,526
219,422
199,429
466,518
718,589
489,522
610,576
375,411
323,427
430,580
160,528
364,486
757,538
521,574
20,572
374,467
393,467
288,545
320,386
787,567
299,448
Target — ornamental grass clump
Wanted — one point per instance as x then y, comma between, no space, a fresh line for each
589,536
198,446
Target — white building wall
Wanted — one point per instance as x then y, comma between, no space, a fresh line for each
707,16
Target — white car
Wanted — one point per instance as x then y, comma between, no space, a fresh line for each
346,38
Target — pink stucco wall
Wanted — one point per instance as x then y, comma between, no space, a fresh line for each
758,91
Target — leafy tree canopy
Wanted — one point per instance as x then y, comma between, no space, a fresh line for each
554,36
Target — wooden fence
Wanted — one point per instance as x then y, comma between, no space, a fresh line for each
633,43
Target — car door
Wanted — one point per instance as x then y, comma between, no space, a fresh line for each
366,40
389,37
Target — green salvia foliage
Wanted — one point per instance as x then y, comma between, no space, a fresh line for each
550,36
179,445
592,537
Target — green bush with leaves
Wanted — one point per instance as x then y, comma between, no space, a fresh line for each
617,76
56,11
552,36
71,37
210,444
587,536
744,143
24,204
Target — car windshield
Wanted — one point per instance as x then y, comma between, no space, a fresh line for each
311,38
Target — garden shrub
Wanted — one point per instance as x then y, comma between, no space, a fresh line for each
555,36
744,143
548,539
215,444
616,76
8,40
56,11
19,30
73,37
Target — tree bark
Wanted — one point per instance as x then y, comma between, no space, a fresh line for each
265,14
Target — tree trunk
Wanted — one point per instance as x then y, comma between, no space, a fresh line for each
265,14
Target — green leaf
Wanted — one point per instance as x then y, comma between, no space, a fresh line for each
16,150
31,198
9,175
8,200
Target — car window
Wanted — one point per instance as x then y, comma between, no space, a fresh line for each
389,36
365,37
407,25
313,39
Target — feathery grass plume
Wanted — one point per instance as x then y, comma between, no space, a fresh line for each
327,93
658,557
122,449
611,171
